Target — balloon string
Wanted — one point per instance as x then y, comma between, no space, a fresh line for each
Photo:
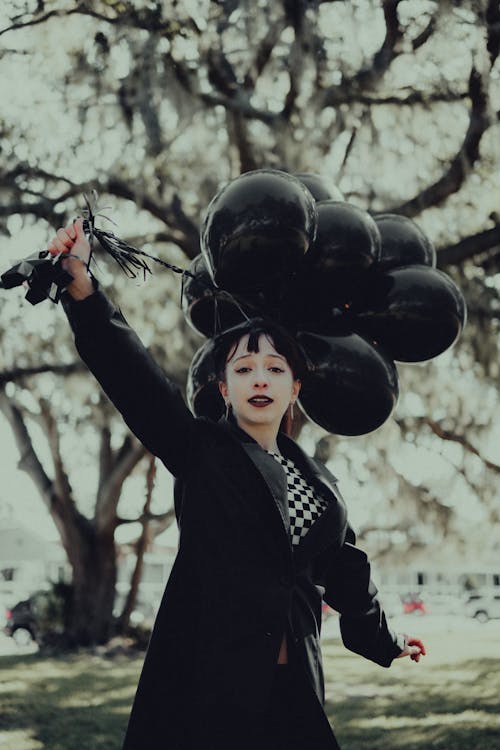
121,251
126,257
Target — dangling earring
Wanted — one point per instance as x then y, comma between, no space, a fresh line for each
228,406
291,410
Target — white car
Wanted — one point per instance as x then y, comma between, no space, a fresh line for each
483,607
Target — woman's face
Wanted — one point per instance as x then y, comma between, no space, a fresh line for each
259,385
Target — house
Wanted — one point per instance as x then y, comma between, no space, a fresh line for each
27,562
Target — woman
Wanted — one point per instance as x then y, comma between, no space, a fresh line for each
234,659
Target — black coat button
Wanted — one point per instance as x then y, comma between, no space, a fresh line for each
268,633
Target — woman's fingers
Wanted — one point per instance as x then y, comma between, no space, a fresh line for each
417,643
67,237
63,236
78,229
415,653
56,246
414,648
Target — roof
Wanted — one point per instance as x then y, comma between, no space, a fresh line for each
18,544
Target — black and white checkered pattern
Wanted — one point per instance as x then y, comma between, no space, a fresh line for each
305,505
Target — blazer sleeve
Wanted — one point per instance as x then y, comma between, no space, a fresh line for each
351,592
151,405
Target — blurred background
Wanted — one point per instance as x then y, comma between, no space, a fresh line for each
155,105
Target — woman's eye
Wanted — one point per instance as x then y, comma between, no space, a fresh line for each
243,369
276,369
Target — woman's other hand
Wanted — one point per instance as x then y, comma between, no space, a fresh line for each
414,648
72,240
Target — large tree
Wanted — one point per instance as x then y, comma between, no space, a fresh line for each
154,105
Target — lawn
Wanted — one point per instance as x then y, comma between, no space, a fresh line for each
65,703
449,701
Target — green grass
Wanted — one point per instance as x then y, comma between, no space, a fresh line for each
65,703
449,701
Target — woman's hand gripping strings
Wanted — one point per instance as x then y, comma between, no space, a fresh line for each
71,240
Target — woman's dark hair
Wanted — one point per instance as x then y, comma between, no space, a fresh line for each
226,342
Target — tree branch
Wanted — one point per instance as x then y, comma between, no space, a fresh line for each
469,247
63,486
148,19
460,166
172,215
303,41
295,71
349,89
461,440
425,34
493,29
29,460
18,373
242,106
221,74
105,454
33,22
162,518
239,139
445,434
262,56
24,169
186,233
386,54
68,520
110,487
141,547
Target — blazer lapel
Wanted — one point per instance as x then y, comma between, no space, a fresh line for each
274,477
268,468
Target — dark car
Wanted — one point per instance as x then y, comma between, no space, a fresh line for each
20,623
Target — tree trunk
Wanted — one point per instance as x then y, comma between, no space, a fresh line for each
91,619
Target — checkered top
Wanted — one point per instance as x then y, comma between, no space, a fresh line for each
304,502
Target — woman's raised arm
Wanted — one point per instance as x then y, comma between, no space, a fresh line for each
151,405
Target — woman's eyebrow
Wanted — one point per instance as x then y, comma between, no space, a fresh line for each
242,356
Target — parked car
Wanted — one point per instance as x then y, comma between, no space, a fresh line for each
40,617
413,604
483,607
20,623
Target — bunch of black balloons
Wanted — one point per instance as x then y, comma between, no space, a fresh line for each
357,292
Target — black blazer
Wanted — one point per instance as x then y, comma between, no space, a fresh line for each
237,584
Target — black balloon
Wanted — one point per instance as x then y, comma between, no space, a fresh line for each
320,302
208,309
415,312
403,243
352,387
347,239
331,280
257,230
202,390
319,186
